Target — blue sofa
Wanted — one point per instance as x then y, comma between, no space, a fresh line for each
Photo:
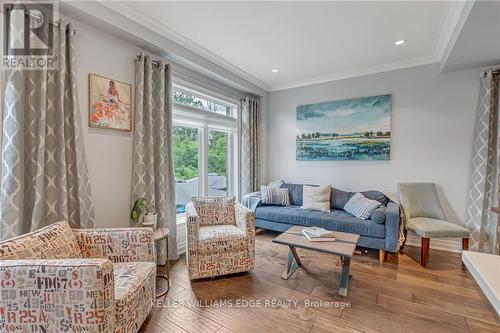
380,231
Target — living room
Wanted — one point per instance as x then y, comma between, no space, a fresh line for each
250,166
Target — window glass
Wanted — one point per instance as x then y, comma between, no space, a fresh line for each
217,163
184,98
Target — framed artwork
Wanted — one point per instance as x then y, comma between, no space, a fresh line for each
349,129
110,103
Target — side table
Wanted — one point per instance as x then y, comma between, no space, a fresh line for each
160,234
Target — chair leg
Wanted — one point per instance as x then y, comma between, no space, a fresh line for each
465,244
465,247
424,251
382,255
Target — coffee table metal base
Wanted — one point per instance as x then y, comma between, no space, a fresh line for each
293,263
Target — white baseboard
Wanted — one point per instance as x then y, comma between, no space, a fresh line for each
443,244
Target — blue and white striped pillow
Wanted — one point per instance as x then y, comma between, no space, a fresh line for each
360,206
275,196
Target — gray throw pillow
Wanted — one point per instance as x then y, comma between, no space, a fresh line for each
378,215
360,206
274,196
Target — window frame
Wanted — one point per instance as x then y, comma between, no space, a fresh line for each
203,121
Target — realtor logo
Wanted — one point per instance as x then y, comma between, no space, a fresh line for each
28,34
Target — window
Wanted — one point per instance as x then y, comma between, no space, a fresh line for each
204,147
185,154
185,97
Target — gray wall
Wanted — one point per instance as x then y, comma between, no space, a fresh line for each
432,123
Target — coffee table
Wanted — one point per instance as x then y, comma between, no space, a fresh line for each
343,246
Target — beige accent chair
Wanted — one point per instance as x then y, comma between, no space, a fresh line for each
425,217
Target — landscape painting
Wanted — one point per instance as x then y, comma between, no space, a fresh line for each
350,129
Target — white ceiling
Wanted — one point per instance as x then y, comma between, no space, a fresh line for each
309,42
478,41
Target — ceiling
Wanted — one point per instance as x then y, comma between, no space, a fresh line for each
309,42
478,41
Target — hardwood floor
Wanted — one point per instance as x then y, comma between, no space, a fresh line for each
388,297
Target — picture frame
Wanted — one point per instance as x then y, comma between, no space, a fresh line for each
110,104
354,129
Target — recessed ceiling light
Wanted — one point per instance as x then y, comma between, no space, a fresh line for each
274,70
399,42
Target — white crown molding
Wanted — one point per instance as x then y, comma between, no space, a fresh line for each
456,19
357,73
449,26
457,14
150,23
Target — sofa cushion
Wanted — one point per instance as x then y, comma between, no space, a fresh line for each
378,215
55,241
215,210
339,198
316,197
337,220
295,193
134,294
221,238
377,196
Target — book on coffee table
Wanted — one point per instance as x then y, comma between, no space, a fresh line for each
315,234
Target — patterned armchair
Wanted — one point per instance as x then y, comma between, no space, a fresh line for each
221,237
59,279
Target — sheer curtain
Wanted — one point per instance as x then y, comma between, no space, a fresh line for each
485,181
43,171
153,174
249,127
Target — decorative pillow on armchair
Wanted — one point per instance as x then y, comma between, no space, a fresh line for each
215,210
275,196
360,206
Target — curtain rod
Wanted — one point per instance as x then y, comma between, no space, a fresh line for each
155,63
38,17
493,72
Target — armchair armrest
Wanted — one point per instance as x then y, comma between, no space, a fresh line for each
192,226
63,294
392,219
117,244
245,220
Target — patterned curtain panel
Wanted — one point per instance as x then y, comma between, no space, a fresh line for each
153,173
43,172
249,126
485,182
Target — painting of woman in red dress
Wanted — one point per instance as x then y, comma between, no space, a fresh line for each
109,103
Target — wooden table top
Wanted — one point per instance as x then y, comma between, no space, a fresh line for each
495,210
161,233
344,244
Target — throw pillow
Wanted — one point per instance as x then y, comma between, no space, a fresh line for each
360,206
378,215
215,210
316,197
275,196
